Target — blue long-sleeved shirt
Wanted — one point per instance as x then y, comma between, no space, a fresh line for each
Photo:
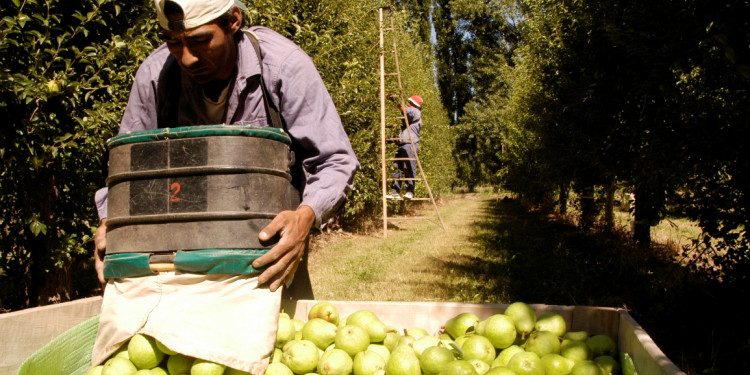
296,89
414,118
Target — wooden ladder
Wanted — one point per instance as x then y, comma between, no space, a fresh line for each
384,128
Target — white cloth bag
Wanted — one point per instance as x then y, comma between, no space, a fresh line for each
226,319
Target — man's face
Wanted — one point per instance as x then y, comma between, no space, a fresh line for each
205,53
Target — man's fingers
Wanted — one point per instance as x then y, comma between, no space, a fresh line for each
100,248
273,228
280,270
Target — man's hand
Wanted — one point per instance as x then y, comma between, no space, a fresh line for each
100,247
292,229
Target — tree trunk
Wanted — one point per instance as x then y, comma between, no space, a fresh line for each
562,201
649,202
609,207
588,207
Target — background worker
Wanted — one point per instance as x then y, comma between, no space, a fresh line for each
208,72
409,134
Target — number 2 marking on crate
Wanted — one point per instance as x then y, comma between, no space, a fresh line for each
175,189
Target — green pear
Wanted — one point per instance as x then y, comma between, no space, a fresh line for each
424,342
118,366
368,362
480,366
164,349
542,342
609,364
458,367
417,332
326,311
285,330
526,363
499,329
459,324
403,361
406,340
335,362
434,358
319,331
576,350
602,345
352,339
524,317
586,368
276,368
301,356
478,347
203,367
380,349
500,370
96,370
179,364
460,339
370,322
143,352
576,335
553,322
555,364
505,355
391,339
122,352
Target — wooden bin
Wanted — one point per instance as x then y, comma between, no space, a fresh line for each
24,333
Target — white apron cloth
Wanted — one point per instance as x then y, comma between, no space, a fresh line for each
220,318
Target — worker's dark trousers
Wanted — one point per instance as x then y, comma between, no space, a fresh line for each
300,288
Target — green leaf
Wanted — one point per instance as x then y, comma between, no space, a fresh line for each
37,227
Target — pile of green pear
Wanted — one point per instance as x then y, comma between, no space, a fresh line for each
144,355
516,342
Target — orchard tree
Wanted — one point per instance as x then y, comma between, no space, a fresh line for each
65,70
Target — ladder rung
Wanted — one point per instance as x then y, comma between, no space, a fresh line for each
401,159
400,198
405,179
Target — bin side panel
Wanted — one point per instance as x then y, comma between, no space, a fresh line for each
67,354
597,320
24,332
647,357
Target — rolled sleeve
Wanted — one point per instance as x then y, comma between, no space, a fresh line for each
100,198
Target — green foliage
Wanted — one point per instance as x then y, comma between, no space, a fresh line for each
64,76
484,29
600,95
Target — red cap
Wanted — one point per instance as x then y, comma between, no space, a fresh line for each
416,100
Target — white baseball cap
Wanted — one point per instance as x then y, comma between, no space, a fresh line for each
197,12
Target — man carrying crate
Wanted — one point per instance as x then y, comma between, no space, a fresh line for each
212,71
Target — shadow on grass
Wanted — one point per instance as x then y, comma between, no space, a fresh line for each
538,258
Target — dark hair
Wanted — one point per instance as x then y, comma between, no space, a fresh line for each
225,19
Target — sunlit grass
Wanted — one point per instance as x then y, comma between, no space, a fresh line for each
408,265
671,233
